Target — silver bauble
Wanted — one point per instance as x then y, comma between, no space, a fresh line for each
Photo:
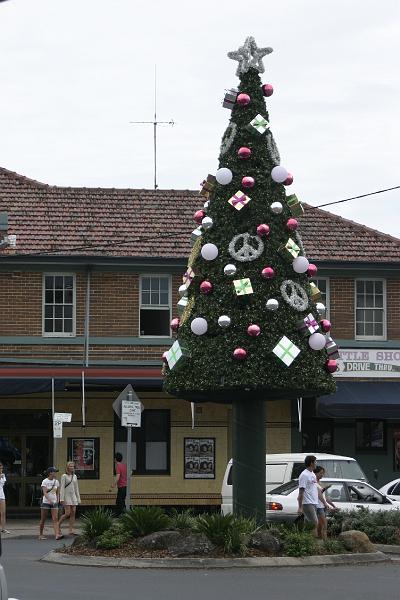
224,321
206,204
182,291
207,223
272,304
321,309
276,208
230,270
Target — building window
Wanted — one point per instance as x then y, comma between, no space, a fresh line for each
370,436
155,305
322,284
150,443
58,305
317,435
370,309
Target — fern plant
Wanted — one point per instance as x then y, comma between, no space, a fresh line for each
182,519
143,520
96,522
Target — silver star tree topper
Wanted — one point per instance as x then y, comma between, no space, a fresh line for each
249,56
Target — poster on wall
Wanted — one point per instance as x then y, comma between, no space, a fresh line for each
396,450
199,458
85,454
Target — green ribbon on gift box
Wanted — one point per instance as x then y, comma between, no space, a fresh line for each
243,286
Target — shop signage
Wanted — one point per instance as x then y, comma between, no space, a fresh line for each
368,363
131,413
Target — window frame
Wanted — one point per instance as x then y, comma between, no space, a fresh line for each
327,294
56,334
155,307
371,449
384,310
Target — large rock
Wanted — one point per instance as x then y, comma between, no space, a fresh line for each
159,540
266,542
356,541
190,543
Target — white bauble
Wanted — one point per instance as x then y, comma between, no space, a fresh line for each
224,321
229,270
207,223
206,204
279,174
183,290
199,326
321,309
300,264
224,176
272,304
277,208
209,251
317,341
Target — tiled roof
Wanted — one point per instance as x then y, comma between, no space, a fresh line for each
148,223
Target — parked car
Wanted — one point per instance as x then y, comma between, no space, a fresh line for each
392,489
3,582
280,468
346,494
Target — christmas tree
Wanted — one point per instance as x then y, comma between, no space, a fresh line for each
250,322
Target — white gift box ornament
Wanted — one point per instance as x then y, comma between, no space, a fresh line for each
182,304
176,355
286,351
258,125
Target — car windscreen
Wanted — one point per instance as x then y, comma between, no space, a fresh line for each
285,489
342,469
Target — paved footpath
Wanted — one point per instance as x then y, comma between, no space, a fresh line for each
30,579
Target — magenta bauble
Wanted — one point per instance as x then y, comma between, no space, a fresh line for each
331,365
248,182
312,270
164,357
325,325
267,89
288,180
175,324
243,99
244,152
263,229
239,354
199,216
268,273
206,287
253,330
292,224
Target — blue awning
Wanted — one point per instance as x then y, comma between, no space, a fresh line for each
362,400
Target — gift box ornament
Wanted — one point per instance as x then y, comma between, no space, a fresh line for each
258,125
315,292
196,235
230,98
331,348
176,355
243,287
182,304
239,200
208,185
286,351
290,250
295,206
188,277
308,325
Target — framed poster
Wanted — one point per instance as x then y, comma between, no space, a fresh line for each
199,458
396,449
85,454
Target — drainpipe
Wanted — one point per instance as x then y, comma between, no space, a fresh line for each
87,318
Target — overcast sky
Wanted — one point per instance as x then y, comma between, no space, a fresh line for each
74,73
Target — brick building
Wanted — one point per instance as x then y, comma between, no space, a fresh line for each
88,285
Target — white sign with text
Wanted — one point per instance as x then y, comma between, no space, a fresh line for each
131,413
368,363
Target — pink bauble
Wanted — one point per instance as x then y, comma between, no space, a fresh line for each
164,357
253,330
244,152
199,216
325,325
206,287
288,180
263,229
292,224
267,89
268,273
331,365
239,354
243,99
175,324
248,182
312,270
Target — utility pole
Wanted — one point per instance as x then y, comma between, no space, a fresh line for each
154,122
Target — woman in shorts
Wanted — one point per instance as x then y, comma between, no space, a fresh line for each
50,502
323,505
2,501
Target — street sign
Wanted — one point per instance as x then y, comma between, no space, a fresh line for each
127,393
57,429
63,417
131,413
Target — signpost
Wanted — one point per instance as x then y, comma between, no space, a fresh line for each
129,409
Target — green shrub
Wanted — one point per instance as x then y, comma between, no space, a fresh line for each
298,543
382,527
383,534
333,546
143,520
115,537
182,519
226,531
96,522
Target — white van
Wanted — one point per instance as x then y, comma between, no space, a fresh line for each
280,468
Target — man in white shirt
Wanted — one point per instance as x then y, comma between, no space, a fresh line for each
308,492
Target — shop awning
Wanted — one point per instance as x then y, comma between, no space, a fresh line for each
362,400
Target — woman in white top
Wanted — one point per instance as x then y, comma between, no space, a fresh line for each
2,501
69,496
50,500
323,505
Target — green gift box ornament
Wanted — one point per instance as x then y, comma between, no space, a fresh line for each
295,206
176,355
286,351
290,250
243,286
182,304
258,125
196,235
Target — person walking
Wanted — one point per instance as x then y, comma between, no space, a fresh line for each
120,482
2,500
50,502
69,496
323,505
308,492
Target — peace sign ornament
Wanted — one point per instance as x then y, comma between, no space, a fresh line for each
246,247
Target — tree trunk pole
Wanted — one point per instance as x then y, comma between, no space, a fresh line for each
248,443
